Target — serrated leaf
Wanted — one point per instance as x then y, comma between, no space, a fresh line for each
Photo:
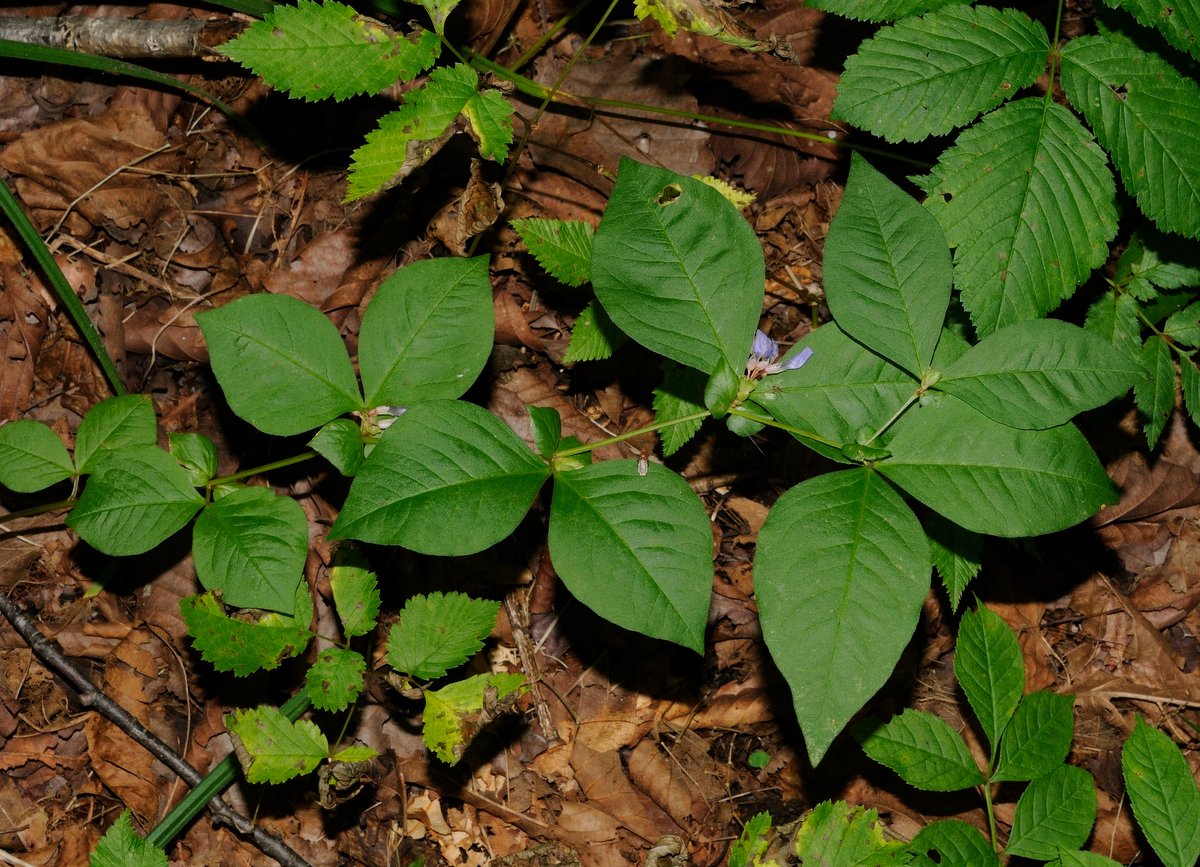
636,549
1026,198
1177,20
887,270
880,10
1154,393
562,247
751,843
956,842
245,646
925,76
1147,115
335,678
1189,385
355,591
1164,795
663,280
1037,738
446,478
319,50
135,499
439,11
1183,326
923,750
127,420
864,571
195,453
1056,810
354,753
1068,858
680,394
835,834
251,545
1114,316
340,442
438,632
998,480
594,336
987,663
427,333
740,199
458,711
957,554
1154,261
32,457
281,363
427,114
279,749
122,846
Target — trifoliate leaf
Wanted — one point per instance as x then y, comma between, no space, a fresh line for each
681,393
458,711
594,337
1153,261
438,632
335,679
277,749
122,846
355,591
562,247
319,50
245,646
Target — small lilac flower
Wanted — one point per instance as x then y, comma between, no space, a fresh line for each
763,353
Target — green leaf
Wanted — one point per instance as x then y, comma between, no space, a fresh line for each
663,279
446,478
956,842
438,632
1183,326
439,11
987,663
1178,20
752,842
1114,317
957,554
319,50
32,457
1038,737
122,846
1039,374
135,499
427,332
927,75
1154,393
1067,858
880,10
1164,795
250,545
681,393
127,420
245,646
281,363
340,442
386,157
546,424
864,570
594,336
1153,261
923,750
997,480
1147,115
1026,198
837,835
354,753
335,678
636,549
457,712
887,270
1056,810
355,591
195,453
279,749
1189,384
562,247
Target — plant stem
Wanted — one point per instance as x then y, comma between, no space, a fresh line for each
56,506
265,468
991,814
588,447
887,424
542,40
787,428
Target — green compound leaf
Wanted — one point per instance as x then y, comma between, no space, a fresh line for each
987,663
439,11
1026,198
279,749
427,332
880,10
681,393
1114,316
319,50
887,270
245,646
1154,261
127,420
135,499
1147,115
562,247
457,712
438,632
122,846
1178,20
1189,385
664,280
250,544
393,149
1165,797
281,363
636,549
594,336
335,679
1057,810
1038,737
355,591
837,835
956,842
865,571
752,842
925,76
195,453
999,480
340,443
32,457
1039,373
1154,392
923,750
1183,326
446,478
957,554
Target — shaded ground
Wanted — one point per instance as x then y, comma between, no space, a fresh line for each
157,208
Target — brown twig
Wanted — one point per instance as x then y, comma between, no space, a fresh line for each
124,37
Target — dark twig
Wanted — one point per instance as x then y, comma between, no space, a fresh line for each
57,661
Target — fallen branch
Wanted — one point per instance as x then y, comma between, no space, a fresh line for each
124,37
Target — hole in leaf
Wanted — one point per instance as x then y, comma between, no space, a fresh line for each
1121,91
947,197
669,194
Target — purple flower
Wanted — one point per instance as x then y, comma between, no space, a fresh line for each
764,351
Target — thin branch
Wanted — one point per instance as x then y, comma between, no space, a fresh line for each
124,37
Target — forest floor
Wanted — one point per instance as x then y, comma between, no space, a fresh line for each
157,208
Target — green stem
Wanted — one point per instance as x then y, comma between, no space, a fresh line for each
588,447
265,468
545,38
1054,55
56,506
887,424
786,428
991,814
